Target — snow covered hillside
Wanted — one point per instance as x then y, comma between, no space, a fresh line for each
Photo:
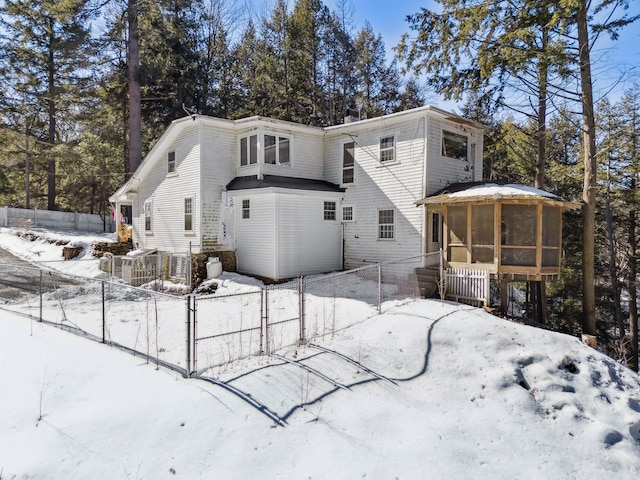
448,391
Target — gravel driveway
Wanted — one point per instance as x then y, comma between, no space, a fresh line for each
18,278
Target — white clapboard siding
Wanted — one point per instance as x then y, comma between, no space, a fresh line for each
468,285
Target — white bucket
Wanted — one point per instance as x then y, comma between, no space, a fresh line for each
214,267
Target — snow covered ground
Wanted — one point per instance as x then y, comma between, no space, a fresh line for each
444,391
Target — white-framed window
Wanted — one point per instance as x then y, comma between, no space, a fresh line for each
246,208
188,214
249,150
148,209
284,147
171,162
388,149
348,213
386,224
330,210
276,150
454,145
348,162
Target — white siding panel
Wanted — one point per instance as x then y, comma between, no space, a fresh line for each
306,242
167,192
255,236
443,171
219,152
397,185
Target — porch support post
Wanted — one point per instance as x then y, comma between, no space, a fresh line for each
504,296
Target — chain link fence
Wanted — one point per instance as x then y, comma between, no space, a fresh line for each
146,323
201,335
226,329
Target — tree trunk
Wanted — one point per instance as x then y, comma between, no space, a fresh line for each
613,268
27,167
135,113
590,170
633,285
51,104
541,140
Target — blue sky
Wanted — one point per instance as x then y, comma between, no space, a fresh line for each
388,18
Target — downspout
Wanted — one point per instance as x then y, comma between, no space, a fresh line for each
198,200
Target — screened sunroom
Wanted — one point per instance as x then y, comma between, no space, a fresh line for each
510,230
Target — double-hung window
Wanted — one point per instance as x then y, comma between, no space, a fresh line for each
171,162
246,208
387,149
148,208
347,213
386,224
249,150
329,210
348,162
188,214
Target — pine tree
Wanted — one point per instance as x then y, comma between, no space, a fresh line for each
47,65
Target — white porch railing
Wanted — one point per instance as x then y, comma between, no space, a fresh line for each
468,285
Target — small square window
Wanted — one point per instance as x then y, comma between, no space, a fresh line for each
171,162
246,209
387,149
329,210
386,225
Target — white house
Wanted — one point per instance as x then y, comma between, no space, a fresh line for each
292,199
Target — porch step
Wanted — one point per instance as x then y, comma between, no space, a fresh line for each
428,279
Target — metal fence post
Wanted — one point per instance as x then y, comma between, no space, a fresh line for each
40,295
264,323
188,335
303,333
443,277
104,318
379,288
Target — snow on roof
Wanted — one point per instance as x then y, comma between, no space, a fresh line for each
466,191
498,191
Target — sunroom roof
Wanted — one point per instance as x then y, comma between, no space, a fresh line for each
486,191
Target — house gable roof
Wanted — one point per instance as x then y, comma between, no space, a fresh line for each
276,181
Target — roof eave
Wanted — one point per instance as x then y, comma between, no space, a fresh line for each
447,199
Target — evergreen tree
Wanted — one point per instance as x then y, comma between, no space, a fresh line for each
379,84
47,65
